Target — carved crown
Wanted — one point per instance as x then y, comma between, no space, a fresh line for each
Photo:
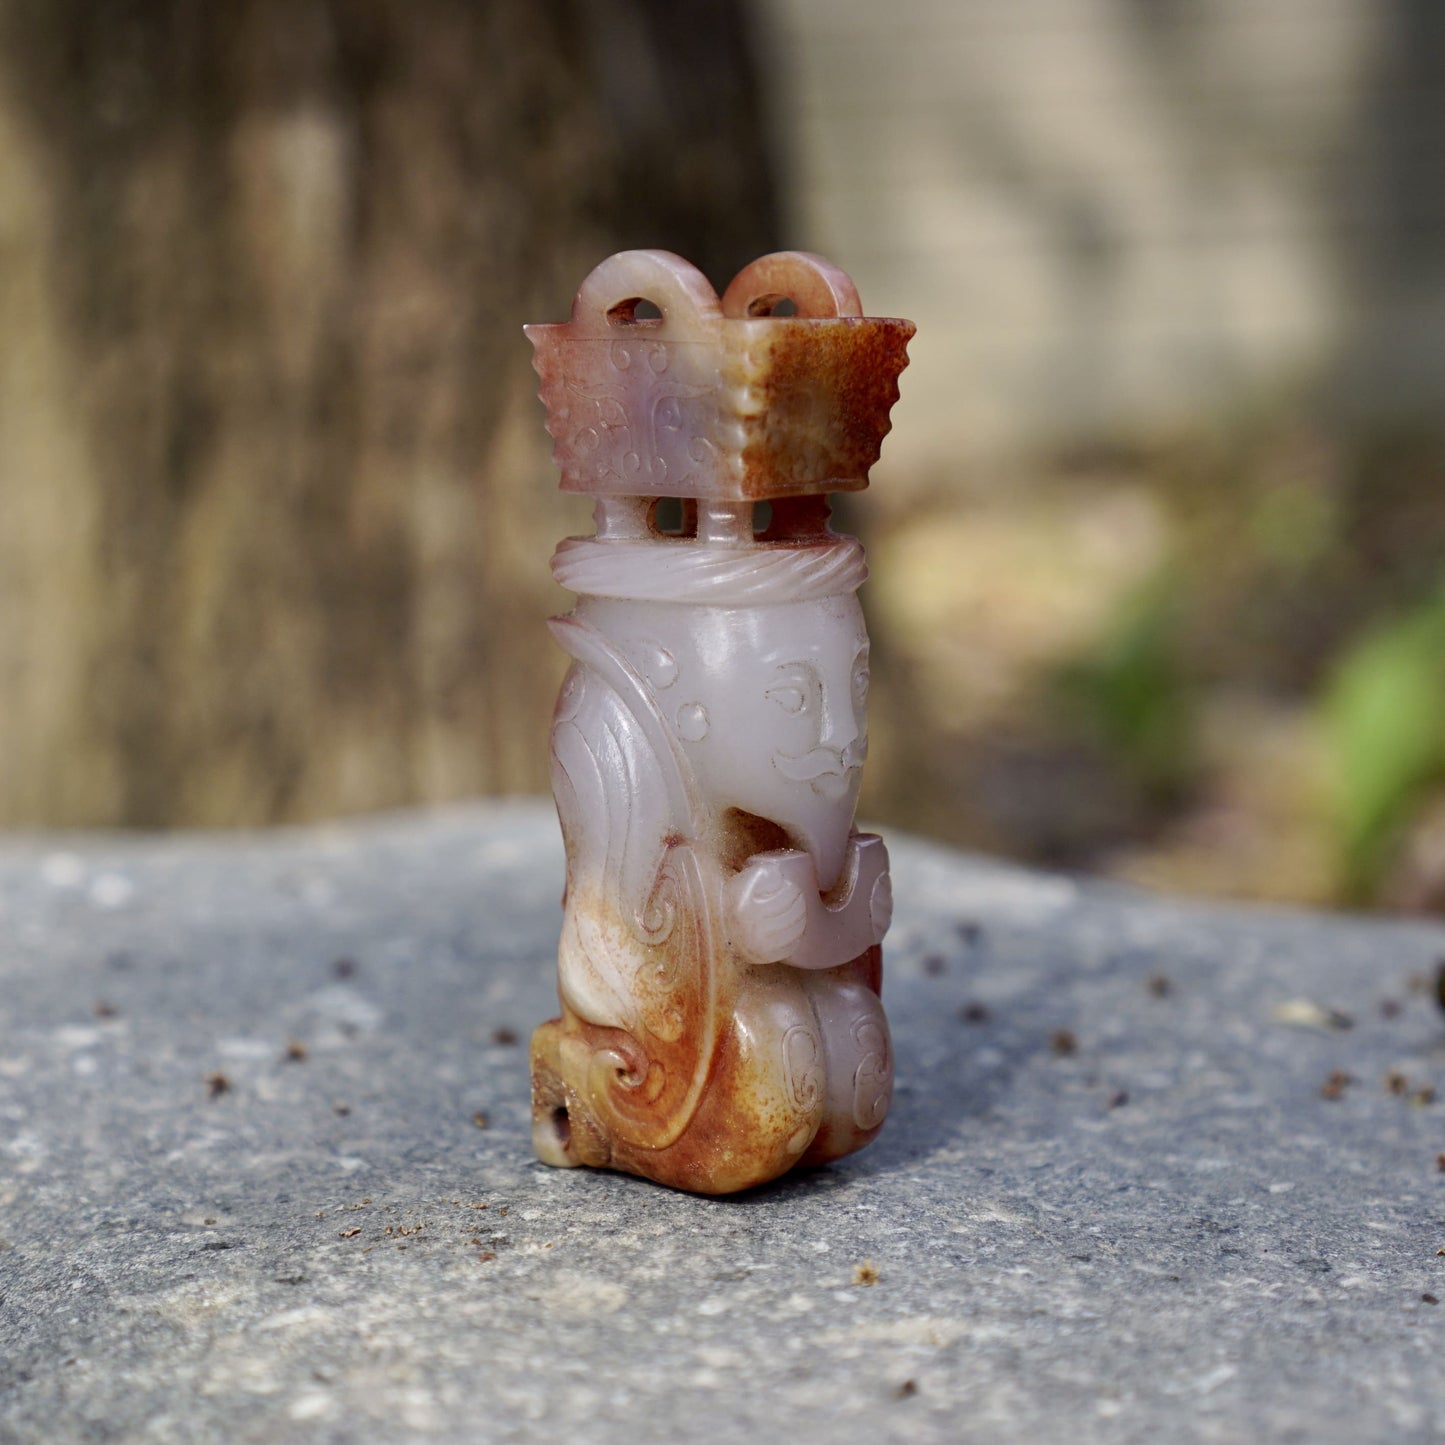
718,399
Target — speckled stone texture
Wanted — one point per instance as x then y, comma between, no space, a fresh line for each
265,1171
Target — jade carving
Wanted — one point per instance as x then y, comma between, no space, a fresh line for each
720,960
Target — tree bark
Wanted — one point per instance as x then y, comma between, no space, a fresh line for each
275,499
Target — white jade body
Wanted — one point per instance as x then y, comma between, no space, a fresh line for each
769,704
707,761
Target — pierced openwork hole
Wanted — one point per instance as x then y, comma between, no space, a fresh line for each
635,311
562,1125
792,519
746,834
762,518
672,517
773,304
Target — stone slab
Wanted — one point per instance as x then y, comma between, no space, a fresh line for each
265,1171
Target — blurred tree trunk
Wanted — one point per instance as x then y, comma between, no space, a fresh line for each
275,500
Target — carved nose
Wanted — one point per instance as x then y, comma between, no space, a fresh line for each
840,727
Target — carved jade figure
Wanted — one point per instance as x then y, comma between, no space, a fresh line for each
719,965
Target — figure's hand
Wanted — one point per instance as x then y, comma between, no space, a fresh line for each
766,912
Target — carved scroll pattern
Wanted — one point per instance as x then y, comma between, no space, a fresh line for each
645,1082
638,966
633,423
803,1065
873,1077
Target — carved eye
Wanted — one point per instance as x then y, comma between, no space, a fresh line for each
789,696
860,686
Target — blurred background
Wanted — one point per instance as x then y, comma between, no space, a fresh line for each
1158,541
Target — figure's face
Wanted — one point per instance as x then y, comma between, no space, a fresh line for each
769,704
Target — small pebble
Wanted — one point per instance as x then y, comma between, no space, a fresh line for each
866,1273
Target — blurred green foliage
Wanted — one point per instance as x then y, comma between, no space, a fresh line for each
1132,694
1384,709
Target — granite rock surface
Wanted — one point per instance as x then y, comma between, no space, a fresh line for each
1154,1171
